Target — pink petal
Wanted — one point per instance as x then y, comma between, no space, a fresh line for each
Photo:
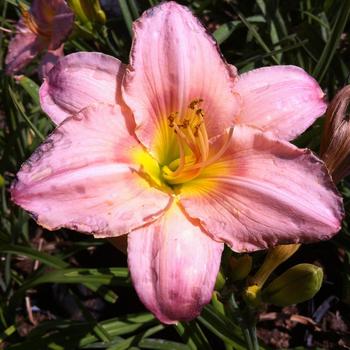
282,99
77,81
48,61
22,49
45,10
54,17
82,177
173,266
62,23
264,192
174,61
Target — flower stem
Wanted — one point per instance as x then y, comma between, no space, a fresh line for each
247,324
247,338
254,338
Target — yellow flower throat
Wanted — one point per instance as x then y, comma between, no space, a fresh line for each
193,145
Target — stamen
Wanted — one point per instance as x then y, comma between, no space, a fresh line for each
195,103
190,144
220,153
203,146
193,145
185,124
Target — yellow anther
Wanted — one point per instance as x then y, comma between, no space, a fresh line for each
195,103
200,112
196,127
185,124
193,145
171,121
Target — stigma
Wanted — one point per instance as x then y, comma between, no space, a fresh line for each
193,145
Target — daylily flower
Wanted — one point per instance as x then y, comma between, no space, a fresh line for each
45,26
335,145
181,154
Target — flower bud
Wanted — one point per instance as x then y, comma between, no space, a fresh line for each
335,144
239,267
93,11
218,305
2,181
220,281
275,256
299,283
88,11
252,295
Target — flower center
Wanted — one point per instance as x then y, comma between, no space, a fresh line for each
193,145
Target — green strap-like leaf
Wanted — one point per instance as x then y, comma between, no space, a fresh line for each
193,335
333,41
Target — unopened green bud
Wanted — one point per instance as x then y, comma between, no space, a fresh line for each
88,11
220,281
299,283
275,257
218,305
239,267
93,11
252,295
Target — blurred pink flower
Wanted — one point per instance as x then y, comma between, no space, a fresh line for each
182,154
45,26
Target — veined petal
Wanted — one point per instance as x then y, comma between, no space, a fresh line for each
282,99
23,48
77,81
173,62
45,10
173,266
83,177
54,18
62,23
264,192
